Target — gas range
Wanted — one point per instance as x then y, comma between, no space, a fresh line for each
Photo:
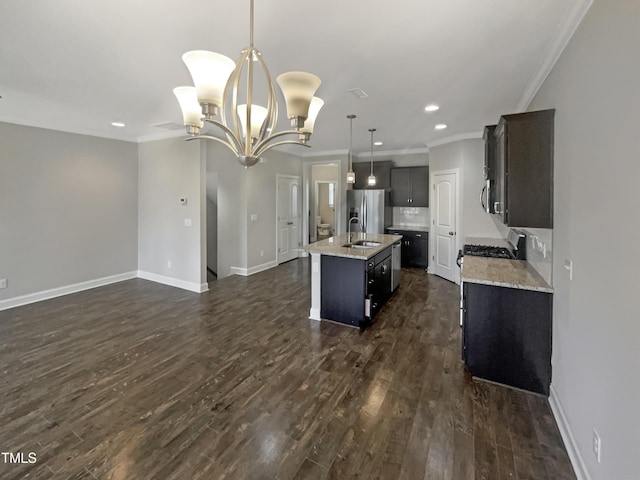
487,251
515,248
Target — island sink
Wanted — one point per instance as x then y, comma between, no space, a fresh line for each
362,244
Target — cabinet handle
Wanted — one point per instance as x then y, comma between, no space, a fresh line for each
418,235
384,268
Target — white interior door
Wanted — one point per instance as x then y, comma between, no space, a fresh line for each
288,213
444,224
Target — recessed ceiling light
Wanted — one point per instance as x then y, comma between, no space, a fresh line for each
377,143
431,108
118,124
441,126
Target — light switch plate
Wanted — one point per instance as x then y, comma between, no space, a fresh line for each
188,222
3,283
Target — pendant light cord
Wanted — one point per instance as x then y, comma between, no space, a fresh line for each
372,130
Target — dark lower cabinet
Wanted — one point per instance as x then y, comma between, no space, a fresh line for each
352,291
506,335
415,248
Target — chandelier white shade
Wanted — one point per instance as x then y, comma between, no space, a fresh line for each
210,72
314,109
249,129
191,109
298,89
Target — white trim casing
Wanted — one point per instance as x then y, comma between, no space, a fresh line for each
173,282
65,290
245,272
579,467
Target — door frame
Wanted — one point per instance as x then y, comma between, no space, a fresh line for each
292,177
433,203
306,192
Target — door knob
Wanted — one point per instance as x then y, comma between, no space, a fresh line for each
452,233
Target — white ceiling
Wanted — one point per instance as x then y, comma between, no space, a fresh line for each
78,65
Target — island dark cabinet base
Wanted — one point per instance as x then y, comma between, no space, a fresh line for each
353,290
506,336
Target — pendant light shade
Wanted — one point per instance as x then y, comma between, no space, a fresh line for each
351,176
371,180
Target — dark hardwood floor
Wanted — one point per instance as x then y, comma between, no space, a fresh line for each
138,380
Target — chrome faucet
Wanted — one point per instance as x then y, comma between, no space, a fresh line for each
350,222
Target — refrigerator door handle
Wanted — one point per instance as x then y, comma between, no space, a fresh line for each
363,221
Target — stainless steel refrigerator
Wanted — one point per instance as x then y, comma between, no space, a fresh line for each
372,208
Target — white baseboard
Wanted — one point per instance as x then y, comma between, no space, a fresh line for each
245,272
570,444
314,314
173,282
65,290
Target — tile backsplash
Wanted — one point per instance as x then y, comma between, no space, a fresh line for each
540,251
411,216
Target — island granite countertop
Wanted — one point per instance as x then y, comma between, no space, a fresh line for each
503,273
334,245
409,228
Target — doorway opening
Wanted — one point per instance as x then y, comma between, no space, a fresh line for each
323,200
212,226
325,208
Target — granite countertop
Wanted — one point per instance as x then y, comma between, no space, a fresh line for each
333,245
503,273
410,228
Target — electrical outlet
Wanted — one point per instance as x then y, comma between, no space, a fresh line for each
597,445
262,253
3,283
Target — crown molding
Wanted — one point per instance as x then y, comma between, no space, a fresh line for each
161,136
388,153
559,42
456,138
324,153
58,128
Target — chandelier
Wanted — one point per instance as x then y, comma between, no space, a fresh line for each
249,129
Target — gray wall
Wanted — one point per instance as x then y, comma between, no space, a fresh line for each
170,169
468,156
261,200
594,88
68,208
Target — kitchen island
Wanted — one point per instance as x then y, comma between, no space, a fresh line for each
351,277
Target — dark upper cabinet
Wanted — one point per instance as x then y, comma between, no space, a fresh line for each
524,169
410,187
381,170
489,169
489,152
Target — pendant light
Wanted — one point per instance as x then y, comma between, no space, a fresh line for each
351,176
371,181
